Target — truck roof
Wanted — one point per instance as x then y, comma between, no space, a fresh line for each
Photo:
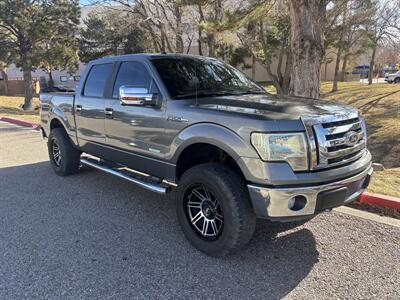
148,56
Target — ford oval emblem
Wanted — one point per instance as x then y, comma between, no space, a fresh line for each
351,138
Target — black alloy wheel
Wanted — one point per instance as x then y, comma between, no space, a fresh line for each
204,212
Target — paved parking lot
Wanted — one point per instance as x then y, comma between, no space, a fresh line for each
95,236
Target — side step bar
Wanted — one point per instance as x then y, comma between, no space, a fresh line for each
151,186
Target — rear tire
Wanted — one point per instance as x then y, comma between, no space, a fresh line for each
64,157
397,80
218,199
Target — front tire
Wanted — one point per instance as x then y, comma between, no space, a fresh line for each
213,209
64,157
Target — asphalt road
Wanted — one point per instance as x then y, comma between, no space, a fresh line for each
95,236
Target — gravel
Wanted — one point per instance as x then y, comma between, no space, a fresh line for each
92,235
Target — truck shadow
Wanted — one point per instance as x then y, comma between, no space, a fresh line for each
100,236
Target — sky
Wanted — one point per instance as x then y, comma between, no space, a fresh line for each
84,2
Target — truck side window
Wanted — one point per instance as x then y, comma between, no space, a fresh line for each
96,80
131,73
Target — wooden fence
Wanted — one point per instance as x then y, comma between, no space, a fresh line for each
16,86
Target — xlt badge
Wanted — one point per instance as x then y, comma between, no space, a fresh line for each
177,119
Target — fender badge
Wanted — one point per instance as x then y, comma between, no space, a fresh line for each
177,119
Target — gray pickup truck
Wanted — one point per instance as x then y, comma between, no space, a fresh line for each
231,151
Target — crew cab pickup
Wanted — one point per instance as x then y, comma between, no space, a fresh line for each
231,151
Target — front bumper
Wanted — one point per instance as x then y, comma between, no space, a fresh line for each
278,203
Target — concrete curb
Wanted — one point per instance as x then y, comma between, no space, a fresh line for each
380,200
20,122
368,216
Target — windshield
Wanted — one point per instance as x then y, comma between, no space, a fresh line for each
184,77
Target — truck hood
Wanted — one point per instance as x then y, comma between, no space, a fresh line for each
273,107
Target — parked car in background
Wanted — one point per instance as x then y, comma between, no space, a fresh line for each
395,77
232,151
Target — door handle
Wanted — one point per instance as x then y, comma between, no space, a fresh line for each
109,112
78,107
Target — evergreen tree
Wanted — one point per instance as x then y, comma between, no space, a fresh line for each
111,33
35,28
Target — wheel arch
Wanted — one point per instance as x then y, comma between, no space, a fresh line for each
57,121
203,143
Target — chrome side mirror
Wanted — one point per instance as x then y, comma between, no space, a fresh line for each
133,95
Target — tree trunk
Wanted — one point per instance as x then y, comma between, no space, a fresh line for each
179,31
307,20
200,30
275,80
339,53
211,44
162,38
27,87
51,80
336,75
344,66
371,66
286,76
199,43
3,72
218,14
253,68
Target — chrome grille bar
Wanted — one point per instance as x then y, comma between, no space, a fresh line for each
343,152
341,129
335,139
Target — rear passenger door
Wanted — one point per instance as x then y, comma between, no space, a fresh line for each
90,104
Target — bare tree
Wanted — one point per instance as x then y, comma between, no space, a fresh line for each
384,29
347,31
161,19
339,49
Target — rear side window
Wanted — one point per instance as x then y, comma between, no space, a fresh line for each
96,80
131,73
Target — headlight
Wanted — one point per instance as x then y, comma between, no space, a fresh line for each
289,147
363,127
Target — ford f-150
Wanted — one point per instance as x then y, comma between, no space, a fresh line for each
231,151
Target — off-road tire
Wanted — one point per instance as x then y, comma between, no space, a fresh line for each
231,191
69,162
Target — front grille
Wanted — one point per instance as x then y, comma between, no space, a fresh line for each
335,140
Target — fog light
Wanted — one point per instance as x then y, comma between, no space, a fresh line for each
297,202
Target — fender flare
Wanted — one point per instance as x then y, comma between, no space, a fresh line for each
213,134
57,114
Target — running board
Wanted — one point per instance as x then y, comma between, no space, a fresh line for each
123,173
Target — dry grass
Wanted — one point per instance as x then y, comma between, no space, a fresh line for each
386,182
11,107
380,105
